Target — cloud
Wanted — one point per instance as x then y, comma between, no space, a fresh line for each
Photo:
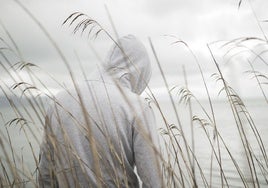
162,8
195,22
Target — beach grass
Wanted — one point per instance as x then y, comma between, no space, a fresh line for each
180,165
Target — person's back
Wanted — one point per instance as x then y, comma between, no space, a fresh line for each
97,133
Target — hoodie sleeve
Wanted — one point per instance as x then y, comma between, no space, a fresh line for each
145,143
46,176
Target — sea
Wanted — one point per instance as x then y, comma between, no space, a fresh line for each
226,125
25,138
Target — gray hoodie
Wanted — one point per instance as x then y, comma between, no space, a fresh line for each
98,132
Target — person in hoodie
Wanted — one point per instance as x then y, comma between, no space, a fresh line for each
98,132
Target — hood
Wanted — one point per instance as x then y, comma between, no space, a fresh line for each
128,64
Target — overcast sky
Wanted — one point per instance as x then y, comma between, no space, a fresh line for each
197,22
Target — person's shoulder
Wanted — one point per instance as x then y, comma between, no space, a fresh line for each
64,95
64,98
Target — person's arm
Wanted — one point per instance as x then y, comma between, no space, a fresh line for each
146,151
46,176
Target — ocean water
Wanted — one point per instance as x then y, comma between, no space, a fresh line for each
227,128
25,139
21,142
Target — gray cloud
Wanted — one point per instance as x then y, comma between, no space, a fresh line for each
195,22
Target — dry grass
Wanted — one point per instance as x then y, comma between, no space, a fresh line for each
181,166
